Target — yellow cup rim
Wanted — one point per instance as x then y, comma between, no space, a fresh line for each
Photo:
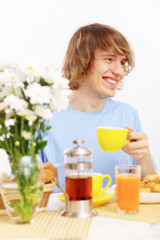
112,128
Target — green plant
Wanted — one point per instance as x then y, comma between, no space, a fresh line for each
27,100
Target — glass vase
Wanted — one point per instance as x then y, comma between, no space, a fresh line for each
22,189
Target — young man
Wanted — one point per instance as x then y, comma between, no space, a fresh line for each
97,59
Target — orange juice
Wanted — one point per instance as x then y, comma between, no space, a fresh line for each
128,186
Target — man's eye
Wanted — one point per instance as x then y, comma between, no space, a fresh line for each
123,63
108,59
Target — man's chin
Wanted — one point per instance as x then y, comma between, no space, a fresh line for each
110,95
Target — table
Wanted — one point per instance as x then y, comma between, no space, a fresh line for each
50,224
113,228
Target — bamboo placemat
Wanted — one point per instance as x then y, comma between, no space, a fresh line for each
48,224
147,212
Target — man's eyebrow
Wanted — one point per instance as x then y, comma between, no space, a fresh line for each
114,56
108,55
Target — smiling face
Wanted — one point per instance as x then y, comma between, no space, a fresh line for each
107,70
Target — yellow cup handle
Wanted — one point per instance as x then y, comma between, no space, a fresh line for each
127,139
109,182
126,142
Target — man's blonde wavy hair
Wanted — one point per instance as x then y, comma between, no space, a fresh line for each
81,50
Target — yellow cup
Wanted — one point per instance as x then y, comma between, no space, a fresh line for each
112,139
97,181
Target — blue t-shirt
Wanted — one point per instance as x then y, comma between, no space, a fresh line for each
70,124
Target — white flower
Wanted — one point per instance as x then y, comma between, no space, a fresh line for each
32,71
8,135
31,118
2,138
61,83
18,91
26,164
12,76
27,172
43,112
5,91
30,74
28,115
24,112
15,102
17,143
25,161
60,99
26,135
34,144
9,122
38,94
51,74
9,113
8,65
3,106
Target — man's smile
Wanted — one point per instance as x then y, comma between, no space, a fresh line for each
111,81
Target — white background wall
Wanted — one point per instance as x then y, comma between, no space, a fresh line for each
38,31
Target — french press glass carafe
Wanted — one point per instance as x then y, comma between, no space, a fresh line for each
78,181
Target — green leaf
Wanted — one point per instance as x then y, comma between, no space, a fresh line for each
41,145
48,128
42,127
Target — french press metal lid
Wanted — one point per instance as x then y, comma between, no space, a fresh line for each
78,150
78,157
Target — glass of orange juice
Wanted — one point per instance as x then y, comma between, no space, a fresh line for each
128,186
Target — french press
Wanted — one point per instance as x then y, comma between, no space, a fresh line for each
78,181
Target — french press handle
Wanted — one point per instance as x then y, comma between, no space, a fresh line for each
56,166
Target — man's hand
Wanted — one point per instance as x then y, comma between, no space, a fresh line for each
138,148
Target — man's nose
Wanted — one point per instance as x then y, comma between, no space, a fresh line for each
118,69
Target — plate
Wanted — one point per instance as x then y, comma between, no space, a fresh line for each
149,197
99,200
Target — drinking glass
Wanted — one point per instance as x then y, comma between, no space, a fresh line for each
127,187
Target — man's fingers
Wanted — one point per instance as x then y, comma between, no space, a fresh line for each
130,128
136,145
136,136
